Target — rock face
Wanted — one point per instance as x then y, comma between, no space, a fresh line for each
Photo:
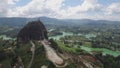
34,30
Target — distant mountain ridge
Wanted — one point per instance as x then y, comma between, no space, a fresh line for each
19,22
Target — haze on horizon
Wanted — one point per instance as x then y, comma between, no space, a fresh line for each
63,9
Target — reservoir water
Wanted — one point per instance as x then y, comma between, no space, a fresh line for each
89,49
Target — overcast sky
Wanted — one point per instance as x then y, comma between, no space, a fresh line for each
66,9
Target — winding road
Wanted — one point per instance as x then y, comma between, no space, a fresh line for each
33,54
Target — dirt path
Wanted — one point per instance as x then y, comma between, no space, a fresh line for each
51,54
33,54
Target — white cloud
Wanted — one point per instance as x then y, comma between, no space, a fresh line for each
5,5
54,8
38,8
12,1
82,9
113,8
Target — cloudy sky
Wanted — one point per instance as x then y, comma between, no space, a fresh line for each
65,9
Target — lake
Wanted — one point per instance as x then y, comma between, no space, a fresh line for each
89,49
103,50
57,37
4,37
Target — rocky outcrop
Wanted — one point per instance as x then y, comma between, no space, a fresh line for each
34,30
81,61
52,55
